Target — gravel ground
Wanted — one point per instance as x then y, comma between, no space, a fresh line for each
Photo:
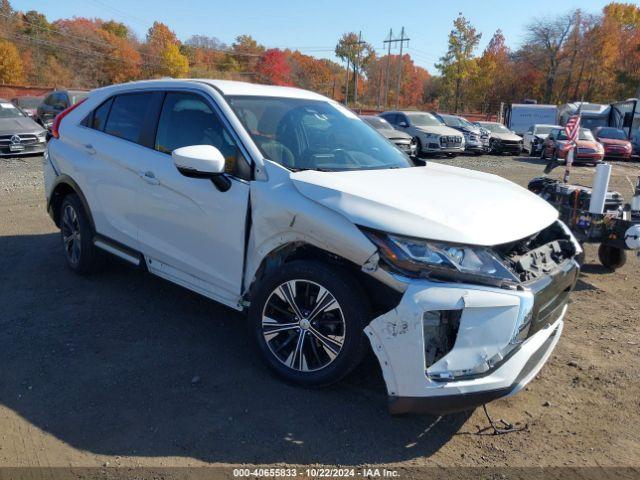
124,369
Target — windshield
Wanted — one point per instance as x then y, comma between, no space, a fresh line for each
585,134
612,133
592,122
451,121
543,130
495,127
9,110
302,134
378,123
420,119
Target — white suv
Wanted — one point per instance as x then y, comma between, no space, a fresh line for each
283,203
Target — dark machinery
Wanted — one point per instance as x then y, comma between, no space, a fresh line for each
611,223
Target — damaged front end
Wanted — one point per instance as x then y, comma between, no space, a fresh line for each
461,337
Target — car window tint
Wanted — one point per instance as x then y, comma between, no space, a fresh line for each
127,115
100,115
187,119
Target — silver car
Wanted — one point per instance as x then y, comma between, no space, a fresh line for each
19,135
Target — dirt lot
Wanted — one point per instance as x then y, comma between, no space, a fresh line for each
125,369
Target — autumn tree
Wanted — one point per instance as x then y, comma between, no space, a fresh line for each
161,53
457,65
246,52
273,68
488,84
10,63
547,38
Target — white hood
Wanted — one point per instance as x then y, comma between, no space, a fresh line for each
436,202
440,130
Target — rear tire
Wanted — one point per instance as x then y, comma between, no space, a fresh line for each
302,347
77,236
611,257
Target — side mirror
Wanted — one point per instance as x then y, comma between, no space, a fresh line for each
202,161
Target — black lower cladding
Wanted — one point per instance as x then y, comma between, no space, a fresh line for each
446,404
551,294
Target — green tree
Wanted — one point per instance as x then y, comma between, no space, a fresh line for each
118,29
457,65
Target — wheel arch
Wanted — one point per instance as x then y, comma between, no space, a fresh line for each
63,186
381,296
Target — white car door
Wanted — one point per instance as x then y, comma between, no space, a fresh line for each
190,231
110,144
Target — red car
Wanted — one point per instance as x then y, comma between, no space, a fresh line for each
557,145
614,141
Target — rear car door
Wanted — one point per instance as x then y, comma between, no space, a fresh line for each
190,231
112,145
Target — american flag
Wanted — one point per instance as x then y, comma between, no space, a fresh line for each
572,128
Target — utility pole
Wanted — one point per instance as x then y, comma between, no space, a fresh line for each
356,66
386,82
346,84
402,39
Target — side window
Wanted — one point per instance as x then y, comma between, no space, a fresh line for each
127,115
401,117
100,115
48,100
187,119
391,118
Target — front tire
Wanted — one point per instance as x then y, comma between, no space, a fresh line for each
307,319
611,257
77,236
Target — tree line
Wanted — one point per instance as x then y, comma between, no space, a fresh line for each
572,56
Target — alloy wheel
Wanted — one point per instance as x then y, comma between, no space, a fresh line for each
71,234
303,325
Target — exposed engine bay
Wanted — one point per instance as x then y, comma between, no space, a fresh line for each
539,254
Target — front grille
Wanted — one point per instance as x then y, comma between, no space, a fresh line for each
510,142
25,139
586,150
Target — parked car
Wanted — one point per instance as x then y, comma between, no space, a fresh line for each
432,137
502,140
19,135
535,136
284,204
56,102
28,105
402,140
557,145
615,142
472,134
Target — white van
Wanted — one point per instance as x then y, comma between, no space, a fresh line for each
282,203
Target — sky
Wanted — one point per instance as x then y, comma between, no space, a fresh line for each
315,26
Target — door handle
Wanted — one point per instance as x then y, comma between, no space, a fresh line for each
89,148
149,177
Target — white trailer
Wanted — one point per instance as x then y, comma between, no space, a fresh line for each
520,116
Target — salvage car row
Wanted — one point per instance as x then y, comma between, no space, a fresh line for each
423,133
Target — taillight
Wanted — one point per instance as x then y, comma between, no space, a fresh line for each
55,128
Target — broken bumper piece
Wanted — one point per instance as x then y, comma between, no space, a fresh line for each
452,347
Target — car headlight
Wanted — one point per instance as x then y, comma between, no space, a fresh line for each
428,258
42,136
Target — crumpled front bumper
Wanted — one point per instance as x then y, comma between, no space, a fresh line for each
488,360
